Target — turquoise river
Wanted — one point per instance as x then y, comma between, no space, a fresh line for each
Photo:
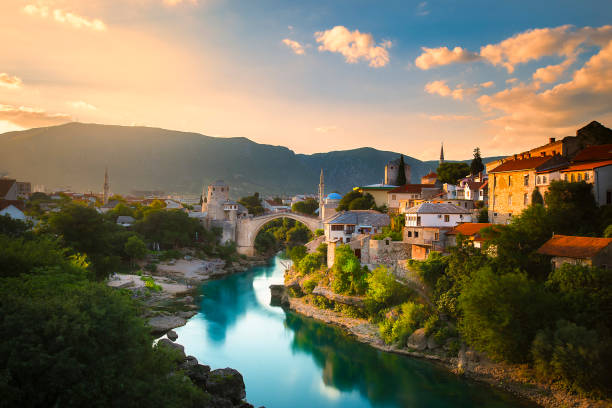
292,361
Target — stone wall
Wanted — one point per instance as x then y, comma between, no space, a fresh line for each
387,252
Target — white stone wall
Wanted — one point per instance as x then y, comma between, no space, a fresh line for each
437,220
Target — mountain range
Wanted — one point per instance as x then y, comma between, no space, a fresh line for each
75,155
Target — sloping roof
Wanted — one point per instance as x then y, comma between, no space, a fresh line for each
377,187
16,203
360,217
430,175
587,166
484,184
468,228
475,185
411,188
436,208
334,196
594,153
573,247
5,186
521,164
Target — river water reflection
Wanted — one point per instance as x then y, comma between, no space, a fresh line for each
291,361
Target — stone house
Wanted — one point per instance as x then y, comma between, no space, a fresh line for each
378,191
347,225
470,230
512,183
599,174
427,224
372,252
588,251
392,172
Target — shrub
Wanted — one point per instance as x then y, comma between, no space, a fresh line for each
170,254
150,284
310,283
151,267
383,290
575,356
322,302
309,264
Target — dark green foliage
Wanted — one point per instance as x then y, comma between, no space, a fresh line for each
355,200
252,204
401,175
306,207
384,291
11,227
265,242
572,208
135,248
169,228
502,313
483,215
576,356
608,231
281,233
74,343
536,197
318,232
451,172
476,166
297,253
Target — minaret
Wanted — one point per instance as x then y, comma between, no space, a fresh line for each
321,194
441,153
106,187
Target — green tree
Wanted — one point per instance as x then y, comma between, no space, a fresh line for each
476,166
347,274
401,175
572,208
608,231
502,313
451,172
308,206
483,215
383,290
169,228
536,197
135,248
356,200
253,204
12,227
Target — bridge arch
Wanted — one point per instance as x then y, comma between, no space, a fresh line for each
248,228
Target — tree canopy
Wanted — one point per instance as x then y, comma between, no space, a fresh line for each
476,166
401,175
451,173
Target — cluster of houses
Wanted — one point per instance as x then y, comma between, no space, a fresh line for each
436,213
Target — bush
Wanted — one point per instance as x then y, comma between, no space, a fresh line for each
575,356
170,254
412,316
348,276
384,291
151,267
310,283
150,284
309,264
322,302
318,232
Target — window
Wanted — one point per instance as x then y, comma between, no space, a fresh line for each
337,227
393,197
446,218
509,181
439,215
586,176
416,234
538,180
461,216
409,234
436,236
494,181
526,179
386,242
509,200
579,177
348,240
573,179
565,177
544,179
525,199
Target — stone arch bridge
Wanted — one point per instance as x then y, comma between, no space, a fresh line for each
248,228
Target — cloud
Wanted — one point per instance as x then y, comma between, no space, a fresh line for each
524,109
511,80
421,9
27,117
295,46
551,73
82,105
487,84
326,129
64,17
354,46
563,41
433,57
442,89
445,118
8,81
176,2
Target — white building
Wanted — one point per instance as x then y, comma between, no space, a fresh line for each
271,206
346,225
13,212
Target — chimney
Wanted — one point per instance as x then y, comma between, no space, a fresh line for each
551,140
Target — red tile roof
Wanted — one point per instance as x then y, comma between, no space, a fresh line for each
411,188
574,247
430,175
588,166
521,164
5,186
468,228
17,203
594,153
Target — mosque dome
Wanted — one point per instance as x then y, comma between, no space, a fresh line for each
334,196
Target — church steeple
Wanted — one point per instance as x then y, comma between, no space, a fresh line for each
105,194
442,153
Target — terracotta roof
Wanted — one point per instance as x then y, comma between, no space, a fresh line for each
588,166
17,203
485,184
468,228
475,185
411,188
5,186
594,153
521,164
430,174
574,247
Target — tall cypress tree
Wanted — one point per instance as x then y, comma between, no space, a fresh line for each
401,172
476,166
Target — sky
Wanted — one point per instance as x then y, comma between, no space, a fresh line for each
315,75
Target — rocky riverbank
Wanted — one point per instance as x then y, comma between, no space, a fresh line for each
169,294
225,386
517,380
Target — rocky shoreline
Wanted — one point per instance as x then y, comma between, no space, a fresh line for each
470,364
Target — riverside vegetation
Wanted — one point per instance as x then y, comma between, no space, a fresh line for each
72,341
503,300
